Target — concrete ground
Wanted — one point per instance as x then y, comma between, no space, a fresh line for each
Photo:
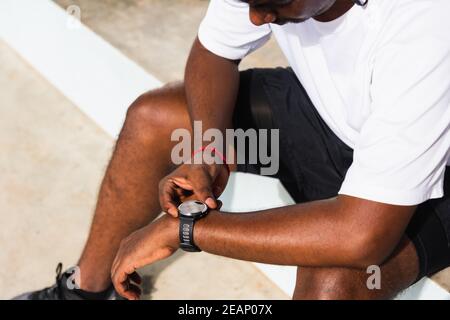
136,27
52,161
53,158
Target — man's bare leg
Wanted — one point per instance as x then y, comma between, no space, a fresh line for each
128,197
397,274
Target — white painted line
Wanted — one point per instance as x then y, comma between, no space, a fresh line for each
425,289
90,72
103,82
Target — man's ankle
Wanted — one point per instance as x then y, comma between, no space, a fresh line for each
91,282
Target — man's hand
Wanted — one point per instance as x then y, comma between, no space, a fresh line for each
202,182
152,243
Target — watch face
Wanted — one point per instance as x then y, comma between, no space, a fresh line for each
192,208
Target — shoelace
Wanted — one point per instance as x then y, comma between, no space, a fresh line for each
59,276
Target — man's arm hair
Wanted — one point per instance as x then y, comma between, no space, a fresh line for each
339,232
211,84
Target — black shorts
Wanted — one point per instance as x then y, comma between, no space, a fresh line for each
314,161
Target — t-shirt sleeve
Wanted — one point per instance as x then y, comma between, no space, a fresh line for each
401,153
227,31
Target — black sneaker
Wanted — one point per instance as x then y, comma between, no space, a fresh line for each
60,291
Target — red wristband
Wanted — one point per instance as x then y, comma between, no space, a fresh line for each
216,152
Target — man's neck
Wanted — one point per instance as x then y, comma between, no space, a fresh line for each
339,8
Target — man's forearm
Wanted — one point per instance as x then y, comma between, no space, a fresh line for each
321,233
211,85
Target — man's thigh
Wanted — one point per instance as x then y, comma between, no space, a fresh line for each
429,230
394,275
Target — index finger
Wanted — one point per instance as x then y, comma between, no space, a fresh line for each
167,196
202,186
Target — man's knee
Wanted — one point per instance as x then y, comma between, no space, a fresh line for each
329,284
157,112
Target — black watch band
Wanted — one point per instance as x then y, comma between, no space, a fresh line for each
187,234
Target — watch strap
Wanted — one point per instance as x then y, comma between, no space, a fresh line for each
187,234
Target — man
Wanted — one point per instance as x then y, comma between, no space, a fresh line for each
363,116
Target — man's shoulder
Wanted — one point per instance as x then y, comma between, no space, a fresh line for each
416,11
415,20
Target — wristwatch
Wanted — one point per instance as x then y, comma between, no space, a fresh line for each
189,212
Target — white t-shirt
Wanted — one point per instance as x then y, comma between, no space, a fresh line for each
379,77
